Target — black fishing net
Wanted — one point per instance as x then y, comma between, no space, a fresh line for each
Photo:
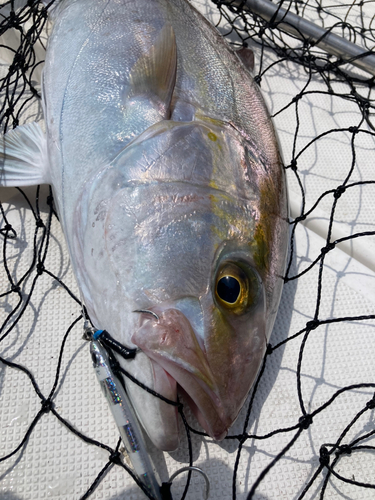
307,428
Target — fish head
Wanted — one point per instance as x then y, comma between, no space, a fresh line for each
185,254
211,342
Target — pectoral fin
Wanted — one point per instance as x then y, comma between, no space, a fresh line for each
154,75
23,157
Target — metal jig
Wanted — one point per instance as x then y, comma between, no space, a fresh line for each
125,418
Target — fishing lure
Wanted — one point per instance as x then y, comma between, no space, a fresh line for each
124,417
101,345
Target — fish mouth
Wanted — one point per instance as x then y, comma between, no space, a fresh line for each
172,344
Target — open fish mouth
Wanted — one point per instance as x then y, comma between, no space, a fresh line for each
206,411
172,345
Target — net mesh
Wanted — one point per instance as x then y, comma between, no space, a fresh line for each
307,428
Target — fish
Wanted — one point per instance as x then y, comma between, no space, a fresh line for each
171,192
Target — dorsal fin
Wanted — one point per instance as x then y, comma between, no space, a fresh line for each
154,74
247,57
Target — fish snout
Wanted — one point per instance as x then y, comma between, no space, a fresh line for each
169,338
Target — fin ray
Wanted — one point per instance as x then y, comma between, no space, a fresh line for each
154,74
23,157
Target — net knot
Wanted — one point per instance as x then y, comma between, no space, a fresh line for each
312,325
180,407
271,25
370,405
345,448
47,406
339,191
8,229
269,349
40,268
9,111
293,165
300,218
30,32
297,98
12,20
327,248
16,289
257,79
330,66
366,105
19,60
353,130
115,458
39,223
324,456
305,421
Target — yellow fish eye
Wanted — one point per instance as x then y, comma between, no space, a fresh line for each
236,287
228,288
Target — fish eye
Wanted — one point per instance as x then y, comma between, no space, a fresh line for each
228,289
236,287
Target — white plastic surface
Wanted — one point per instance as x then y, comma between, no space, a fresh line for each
58,465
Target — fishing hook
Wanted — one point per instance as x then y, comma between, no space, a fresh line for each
193,468
147,312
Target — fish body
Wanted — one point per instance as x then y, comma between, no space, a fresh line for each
171,193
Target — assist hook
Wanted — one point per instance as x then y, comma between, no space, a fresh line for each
165,488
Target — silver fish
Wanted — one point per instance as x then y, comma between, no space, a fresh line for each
172,197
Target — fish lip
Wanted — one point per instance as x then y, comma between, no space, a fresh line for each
198,389
199,415
217,431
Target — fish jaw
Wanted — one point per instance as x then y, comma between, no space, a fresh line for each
158,418
214,385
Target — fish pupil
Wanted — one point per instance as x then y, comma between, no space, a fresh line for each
228,289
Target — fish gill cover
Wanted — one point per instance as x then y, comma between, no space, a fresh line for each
306,430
